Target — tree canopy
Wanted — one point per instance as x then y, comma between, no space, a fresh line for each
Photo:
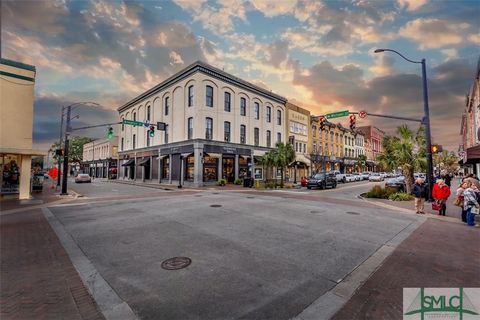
75,150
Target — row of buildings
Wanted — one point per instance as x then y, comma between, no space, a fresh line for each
218,126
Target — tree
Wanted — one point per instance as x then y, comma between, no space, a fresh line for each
75,150
361,162
447,160
280,157
403,151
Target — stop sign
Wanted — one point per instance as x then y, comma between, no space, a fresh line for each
362,114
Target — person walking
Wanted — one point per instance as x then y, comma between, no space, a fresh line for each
420,193
470,201
448,180
459,201
440,193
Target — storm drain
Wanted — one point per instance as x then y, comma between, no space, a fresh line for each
215,193
315,211
198,195
351,212
215,205
250,197
176,263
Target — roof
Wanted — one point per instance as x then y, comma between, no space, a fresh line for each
207,69
17,64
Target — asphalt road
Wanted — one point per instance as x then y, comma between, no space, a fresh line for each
255,255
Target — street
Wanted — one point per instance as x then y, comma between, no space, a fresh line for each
254,254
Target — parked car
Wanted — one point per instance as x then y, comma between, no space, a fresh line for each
339,176
375,177
365,175
383,174
83,177
321,180
396,183
357,176
350,177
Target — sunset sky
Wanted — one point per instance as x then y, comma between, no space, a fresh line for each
317,53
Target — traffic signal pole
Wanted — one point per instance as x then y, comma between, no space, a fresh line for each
59,158
65,153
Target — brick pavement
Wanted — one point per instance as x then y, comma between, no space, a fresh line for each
437,254
37,278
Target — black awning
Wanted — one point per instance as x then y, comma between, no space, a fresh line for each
473,153
257,159
129,163
144,162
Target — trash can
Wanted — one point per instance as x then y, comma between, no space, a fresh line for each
247,182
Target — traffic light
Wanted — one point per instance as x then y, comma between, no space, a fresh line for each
110,133
353,119
151,131
59,152
436,148
322,123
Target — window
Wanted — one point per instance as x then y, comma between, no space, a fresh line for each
190,96
134,116
166,168
148,138
269,138
227,102
269,114
346,140
296,146
190,129
209,96
121,145
314,148
123,127
256,110
279,137
167,105
243,138
226,130
208,128
243,107
166,133
256,136
148,113
314,131
304,148
133,141
279,117
190,165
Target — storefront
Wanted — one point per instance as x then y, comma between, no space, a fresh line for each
10,173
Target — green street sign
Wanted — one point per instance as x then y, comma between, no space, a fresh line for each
337,114
133,123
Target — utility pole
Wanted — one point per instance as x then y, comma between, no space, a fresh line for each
59,158
428,137
65,154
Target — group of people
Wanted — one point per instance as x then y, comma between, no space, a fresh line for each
467,197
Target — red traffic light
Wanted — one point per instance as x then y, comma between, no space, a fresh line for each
353,119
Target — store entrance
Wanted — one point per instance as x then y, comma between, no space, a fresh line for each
228,166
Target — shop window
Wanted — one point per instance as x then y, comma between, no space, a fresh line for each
166,168
10,171
210,167
189,163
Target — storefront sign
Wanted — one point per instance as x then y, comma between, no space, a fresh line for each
179,149
225,150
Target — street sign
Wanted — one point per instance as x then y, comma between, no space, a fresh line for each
146,124
337,114
133,123
161,126
362,114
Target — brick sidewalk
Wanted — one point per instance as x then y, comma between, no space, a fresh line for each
437,254
38,280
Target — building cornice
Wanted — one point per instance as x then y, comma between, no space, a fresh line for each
209,70
17,64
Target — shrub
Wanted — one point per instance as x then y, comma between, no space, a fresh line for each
379,193
238,181
400,196
222,182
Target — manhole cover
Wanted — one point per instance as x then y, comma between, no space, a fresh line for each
198,195
351,212
315,211
176,263
250,197
215,205
215,193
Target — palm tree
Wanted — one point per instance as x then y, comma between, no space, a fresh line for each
361,161
399,151
268,161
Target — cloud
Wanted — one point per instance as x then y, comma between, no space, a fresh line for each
475,38
274,8
434,33
451,53
411,5
383,65
175,58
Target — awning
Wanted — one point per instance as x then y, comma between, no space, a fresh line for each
144,162
299,164
162,156
129,163
257,159
245,157
213,155
473,153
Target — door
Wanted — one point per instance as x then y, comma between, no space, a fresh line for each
228,167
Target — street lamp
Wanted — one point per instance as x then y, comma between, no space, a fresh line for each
426,118
67,131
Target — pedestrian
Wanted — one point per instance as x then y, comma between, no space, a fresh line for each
420,192
470,202
459,201
448,180
440,193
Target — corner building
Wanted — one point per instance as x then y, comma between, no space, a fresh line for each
216,126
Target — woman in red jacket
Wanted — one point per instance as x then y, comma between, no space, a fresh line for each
440,193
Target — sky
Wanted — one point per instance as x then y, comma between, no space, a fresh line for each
318,54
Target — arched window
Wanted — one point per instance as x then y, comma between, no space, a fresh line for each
190,96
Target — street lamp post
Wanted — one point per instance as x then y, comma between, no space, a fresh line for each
426,119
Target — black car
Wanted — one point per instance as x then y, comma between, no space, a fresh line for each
319,180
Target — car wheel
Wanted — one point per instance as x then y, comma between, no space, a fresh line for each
324,185
344,180
334,185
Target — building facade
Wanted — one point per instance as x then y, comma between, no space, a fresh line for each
374,144
297,131
17,84
470,128
100,158
215,126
